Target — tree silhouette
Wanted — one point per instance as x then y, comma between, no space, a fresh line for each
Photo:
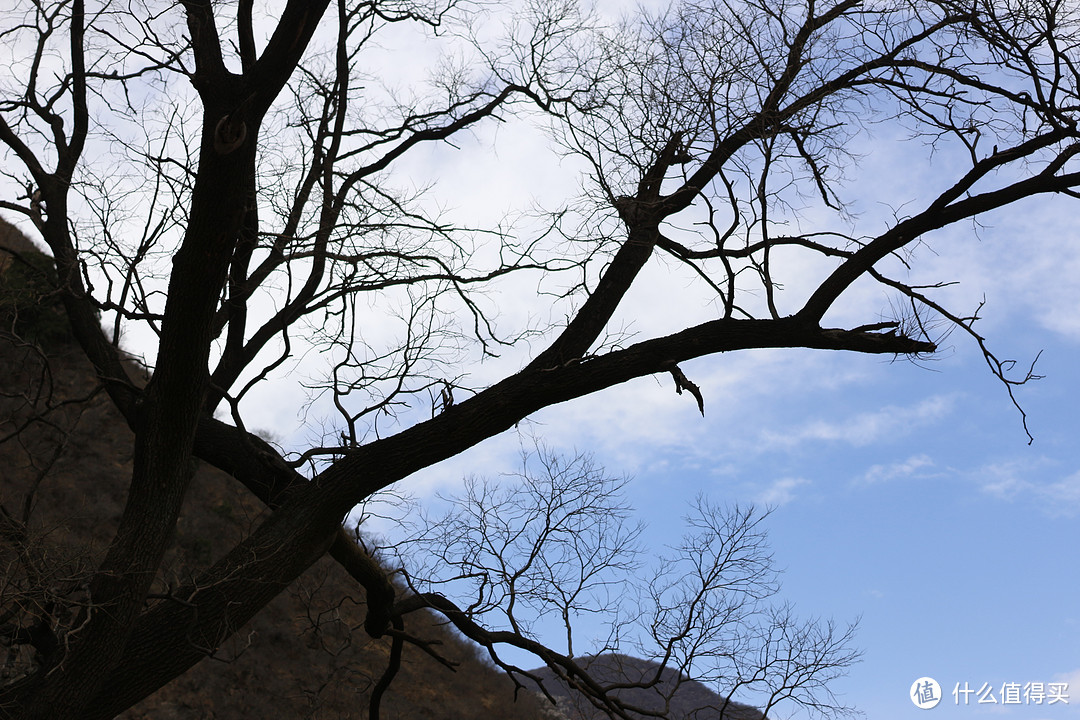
225,180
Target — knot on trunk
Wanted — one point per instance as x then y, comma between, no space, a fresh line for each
229,134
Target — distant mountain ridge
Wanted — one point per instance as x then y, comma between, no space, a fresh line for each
689,699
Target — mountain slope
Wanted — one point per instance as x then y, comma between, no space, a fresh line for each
65,459
674,696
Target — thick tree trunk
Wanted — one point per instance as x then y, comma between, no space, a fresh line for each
166,420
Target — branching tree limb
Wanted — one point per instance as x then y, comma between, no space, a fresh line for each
261,214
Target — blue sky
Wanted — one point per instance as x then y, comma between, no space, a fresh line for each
904,497
906,494
951,541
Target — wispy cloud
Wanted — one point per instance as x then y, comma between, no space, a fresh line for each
894,471
1072,679
1039,283
1065,491
866,428
1011,481
780,492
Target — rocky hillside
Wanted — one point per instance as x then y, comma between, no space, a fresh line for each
65,457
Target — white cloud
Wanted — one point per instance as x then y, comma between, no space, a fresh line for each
866,428
1010,481
1041,282
893,471
1066,490
639,422
1072,677
1072,709
1005,480
780,492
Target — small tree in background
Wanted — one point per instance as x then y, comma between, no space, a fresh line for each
553,544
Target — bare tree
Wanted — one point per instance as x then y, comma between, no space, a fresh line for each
225,181
553,545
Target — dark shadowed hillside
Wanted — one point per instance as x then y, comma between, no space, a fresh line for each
65,457
674,697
